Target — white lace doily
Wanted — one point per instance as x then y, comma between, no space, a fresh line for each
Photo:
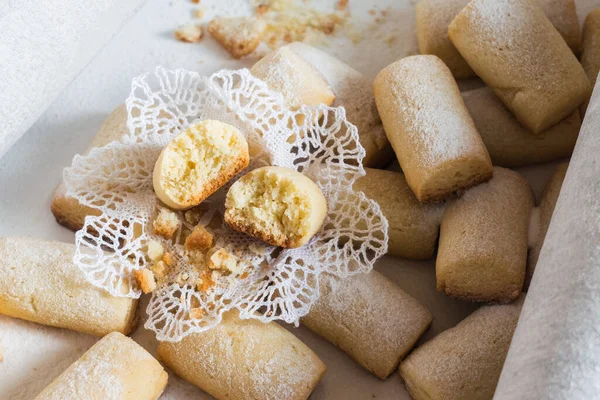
282,283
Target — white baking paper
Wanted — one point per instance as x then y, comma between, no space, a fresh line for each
43,47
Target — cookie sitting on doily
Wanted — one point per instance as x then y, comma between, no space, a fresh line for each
157,240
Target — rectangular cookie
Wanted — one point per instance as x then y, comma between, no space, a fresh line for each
39,282
519,54
354,92
115,368
482,252
464,362
430,129
434,17
369,318
508,142
67,210
413,226
245,359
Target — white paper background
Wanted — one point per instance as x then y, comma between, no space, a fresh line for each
43,46
29,172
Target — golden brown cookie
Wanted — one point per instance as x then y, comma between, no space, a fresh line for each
464,362
519,54
430,129
371,319
413,226
482,252
509,143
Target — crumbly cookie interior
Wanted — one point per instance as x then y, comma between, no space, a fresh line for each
196,158
272,204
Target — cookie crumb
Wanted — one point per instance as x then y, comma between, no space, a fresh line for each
390,40
196,313
199,239
342,4
225,261
240,36
261,9
199,13
159,269
166,223
168,259
196,1
257,249
206,283
145,278
182,279
193,215
155,250
189,33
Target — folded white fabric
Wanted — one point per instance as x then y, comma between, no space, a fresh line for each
555,352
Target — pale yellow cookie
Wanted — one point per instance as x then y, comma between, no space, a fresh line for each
519,54
299,83
197,162
114,368
245,359
278,205
39,282
482,252
371,319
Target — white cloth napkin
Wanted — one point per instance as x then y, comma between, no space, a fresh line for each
43,46
555,352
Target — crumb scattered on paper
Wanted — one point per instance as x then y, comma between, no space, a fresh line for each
189,33
240,36
199,12
287,21
341,5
